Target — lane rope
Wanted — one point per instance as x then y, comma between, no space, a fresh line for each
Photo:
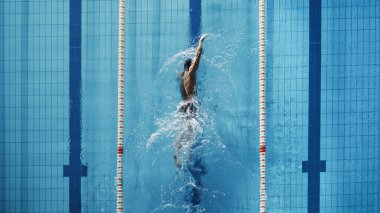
263,195
120,110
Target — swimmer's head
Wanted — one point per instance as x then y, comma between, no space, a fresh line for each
187,64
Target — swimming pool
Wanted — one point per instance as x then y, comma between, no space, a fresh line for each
58,118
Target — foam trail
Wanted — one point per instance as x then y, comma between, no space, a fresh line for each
178,59
203,141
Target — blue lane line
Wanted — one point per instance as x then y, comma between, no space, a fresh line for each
196,167
75,170
195,10
314,165
24,105
2,109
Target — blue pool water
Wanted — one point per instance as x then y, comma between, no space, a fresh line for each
58,107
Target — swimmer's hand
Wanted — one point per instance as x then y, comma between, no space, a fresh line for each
203,37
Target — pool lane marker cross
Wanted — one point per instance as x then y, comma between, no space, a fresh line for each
75,170
314,165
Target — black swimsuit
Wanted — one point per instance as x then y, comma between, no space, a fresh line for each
188,108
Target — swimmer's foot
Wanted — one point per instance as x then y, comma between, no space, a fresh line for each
177,161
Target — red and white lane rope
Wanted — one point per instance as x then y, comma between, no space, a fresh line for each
120,111
263,196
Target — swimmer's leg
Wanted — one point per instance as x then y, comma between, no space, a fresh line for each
184,140
177,147
189,140
197,169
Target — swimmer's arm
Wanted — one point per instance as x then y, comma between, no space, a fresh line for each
194,67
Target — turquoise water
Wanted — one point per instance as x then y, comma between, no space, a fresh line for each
42,87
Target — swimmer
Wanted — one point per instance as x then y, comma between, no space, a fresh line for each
188,104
